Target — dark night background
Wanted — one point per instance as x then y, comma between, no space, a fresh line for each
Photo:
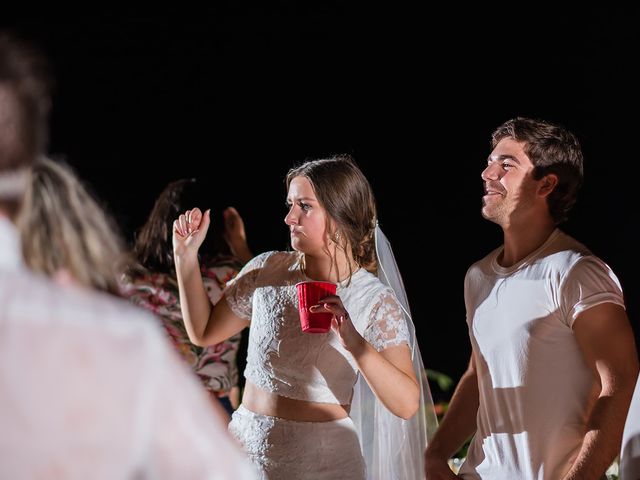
236,95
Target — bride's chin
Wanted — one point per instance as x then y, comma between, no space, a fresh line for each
295,244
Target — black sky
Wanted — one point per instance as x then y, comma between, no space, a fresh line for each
236,95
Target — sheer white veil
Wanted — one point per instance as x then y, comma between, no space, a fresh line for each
393,448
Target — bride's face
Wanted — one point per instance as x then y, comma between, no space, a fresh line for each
306,218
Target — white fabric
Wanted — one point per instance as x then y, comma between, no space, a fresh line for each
630,453
89,389
312,367
534,385
290,450
13,183
393,448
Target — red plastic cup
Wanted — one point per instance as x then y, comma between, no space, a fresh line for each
309,293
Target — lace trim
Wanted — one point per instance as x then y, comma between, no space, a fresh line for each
388,326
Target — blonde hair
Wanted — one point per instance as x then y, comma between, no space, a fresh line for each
62,227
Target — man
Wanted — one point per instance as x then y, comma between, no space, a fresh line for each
553,362
88,386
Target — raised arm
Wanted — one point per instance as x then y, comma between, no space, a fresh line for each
205,324
606,340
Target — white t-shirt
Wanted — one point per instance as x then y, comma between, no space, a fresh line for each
533,382
308,366
90,389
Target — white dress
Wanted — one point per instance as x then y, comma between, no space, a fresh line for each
312,367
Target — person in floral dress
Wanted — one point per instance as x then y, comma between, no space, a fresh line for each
152,285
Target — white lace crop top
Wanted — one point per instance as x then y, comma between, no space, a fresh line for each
308,366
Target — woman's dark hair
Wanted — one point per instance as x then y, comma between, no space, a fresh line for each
153,247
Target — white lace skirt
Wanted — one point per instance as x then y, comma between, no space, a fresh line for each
290,450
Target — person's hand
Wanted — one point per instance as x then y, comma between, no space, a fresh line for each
189,231
436,469
235,235
341,322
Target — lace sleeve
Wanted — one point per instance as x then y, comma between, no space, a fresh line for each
239,290
387,326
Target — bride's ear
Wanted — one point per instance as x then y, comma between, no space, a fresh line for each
332,231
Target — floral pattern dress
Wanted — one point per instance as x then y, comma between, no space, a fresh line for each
215,365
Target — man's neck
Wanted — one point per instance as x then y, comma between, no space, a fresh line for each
520,242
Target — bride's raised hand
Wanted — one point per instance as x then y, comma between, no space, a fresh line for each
189,231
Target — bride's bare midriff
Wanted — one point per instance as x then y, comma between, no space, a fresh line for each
263,402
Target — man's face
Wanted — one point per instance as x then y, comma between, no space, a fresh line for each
510,188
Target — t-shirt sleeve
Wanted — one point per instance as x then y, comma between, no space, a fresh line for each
590,282
239,290
387,326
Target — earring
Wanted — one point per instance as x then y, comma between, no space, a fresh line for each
336,237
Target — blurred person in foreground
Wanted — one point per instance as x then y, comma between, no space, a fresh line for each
89,388
65,234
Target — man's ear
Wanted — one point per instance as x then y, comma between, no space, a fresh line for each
547,184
